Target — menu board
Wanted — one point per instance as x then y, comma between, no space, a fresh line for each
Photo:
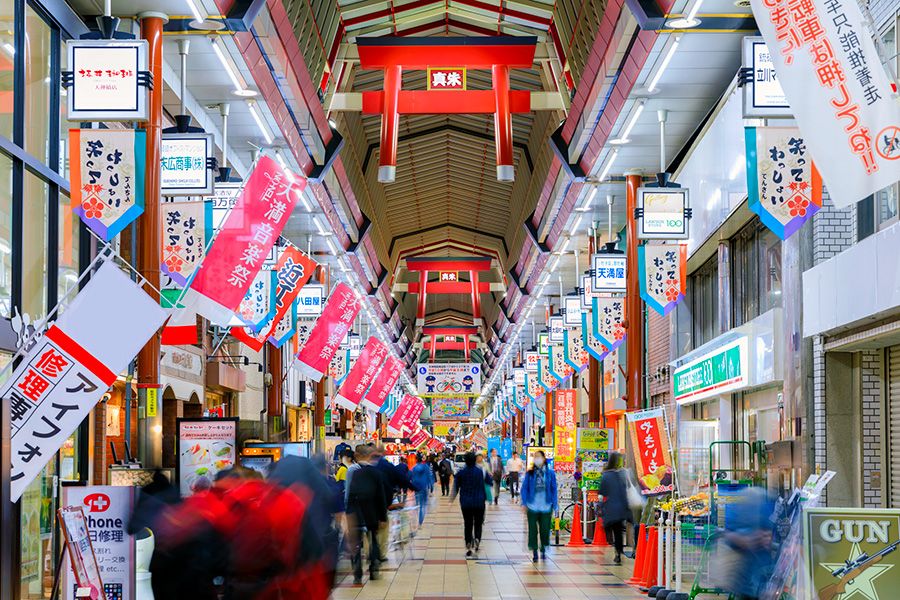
205,447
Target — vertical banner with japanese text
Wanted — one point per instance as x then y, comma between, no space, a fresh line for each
608,315
576,355
593,345
186,227
652,456
361,374
404,413
564,432
331,328
384,382
258,305
663,275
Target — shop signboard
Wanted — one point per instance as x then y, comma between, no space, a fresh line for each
664,213
205,447
587,291
187,161
68,369
572,311
608,317
107,512
784,186
82,560
653,459
597,439
519,375
108,80
445,429
310,300
555,328
722,370
362,374
543,344
329,332
852,552
763,94
186,228
223,199
531,361
532,450
564,433
447,380
608,273
839,91
446,78
384,382
107,178
456,408
663,275
592,465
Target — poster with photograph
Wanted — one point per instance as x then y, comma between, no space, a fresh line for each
205,447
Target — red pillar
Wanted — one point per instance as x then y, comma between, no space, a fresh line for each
503,136
548,415
420,311
476,298
634,313
274,396
466,346
390,124
433,348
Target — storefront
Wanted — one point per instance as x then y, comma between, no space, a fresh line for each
183,393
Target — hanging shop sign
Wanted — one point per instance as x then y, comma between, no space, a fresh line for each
576,355
591,343
450,408
763,95
587,292
556,361
548,381
285,328
205,447
564,433
608,316
223,199
82,559
720,371
107,178
187,226
187,163
72,365
337,368
446,78
331,328
663,275
531,361
572,311
311,299
362,374
452,276
608,273
852,552
555,329
784,186
258,305
663,213
419,438
108,80
533,387
384,382
519,375
436,380
839,91
244,240
653,459
304,327
517,399
108,510
543,343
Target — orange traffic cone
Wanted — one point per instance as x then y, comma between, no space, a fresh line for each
648,577
600,534
640,556
576,539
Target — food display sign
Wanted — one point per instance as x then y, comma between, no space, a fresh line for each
106,80
653,460
447,380
186,165
205,447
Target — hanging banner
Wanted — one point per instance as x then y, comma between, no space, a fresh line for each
784,186
557,364
187,226
330,330
337,368
445,429
555,328
450,408
244,241
285,329
650,440
403,415
593,345
384,382
531,361
839,92
72,365
362,374
108,80
258,305
107,178
564,433
446,380
419,438
662,270
186,164
608,316
435,445
548,381
574,352
533,387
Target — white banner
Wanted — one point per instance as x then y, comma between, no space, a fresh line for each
70,368
839,91
436,380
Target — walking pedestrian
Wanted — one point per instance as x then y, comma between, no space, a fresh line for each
367,510
470,484
614,510
540,498
445,470
496,467
514,471
423,481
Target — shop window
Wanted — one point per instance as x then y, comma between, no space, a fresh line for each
756,272
704,294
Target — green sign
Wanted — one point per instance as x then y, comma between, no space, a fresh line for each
723,370
327,418
595,439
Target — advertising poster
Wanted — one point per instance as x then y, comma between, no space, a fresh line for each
82,560
650,440
852,552
592,465
564,433
205,447
446,380
530,452
450,408
445,429
107,510
597,439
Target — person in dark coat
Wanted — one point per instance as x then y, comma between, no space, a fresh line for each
445,470
469,484
367,505
614,510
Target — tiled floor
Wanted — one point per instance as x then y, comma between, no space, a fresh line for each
434,564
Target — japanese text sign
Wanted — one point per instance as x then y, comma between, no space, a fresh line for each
650,440
284,329
337,368
763,95
608,316
258,305
331,328
556,361
244,240
533,387
186,165
107,178
587,292
564,433
448,276
418,438
205,447
663,213
448,379
572,308
609,273
555,328
575,354
450,408
663,275
186,228
384,382
311,299
783,184
545,376
82,561
591,343
403,415
362,374
531,361
106,80
839,92
70,368
447,78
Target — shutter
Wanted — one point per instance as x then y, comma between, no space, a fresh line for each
893,397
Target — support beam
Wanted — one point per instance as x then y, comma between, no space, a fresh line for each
503,137
479,263
466,346
449,287
411,101
438,330
319,416
420,311
634,310
390,124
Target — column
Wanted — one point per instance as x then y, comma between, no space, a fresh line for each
595,380
503,137
466,346
548,417
390,124
319,416
476,299
423,294
274,396
634,309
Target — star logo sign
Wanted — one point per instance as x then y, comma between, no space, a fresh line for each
862,586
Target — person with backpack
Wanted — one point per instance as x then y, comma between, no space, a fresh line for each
540,498
470,483
445,470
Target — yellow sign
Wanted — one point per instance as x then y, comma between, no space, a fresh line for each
152,402
595,439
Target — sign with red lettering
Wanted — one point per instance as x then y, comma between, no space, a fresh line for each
653,460
330,330
418,438
564,432
447,78
384,382
408,409
362,374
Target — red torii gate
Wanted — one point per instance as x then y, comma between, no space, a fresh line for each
426,265
435,330
498,53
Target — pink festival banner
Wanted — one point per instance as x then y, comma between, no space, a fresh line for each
329,331
418,438
361,375
244,241
384,382
409,407
412,421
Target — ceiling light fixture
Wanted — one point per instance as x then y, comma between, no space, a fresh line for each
609,164
623,136
651,87
588,201
263,128
306,205
689,20
576,223
230,69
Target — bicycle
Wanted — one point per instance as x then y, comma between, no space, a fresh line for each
567,514
452,386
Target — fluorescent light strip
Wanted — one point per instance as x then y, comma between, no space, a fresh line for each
254,110
631,123
226,64
694,10
194,10
665,63
589,200
609,164
576,223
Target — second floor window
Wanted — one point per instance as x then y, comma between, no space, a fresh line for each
755,272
